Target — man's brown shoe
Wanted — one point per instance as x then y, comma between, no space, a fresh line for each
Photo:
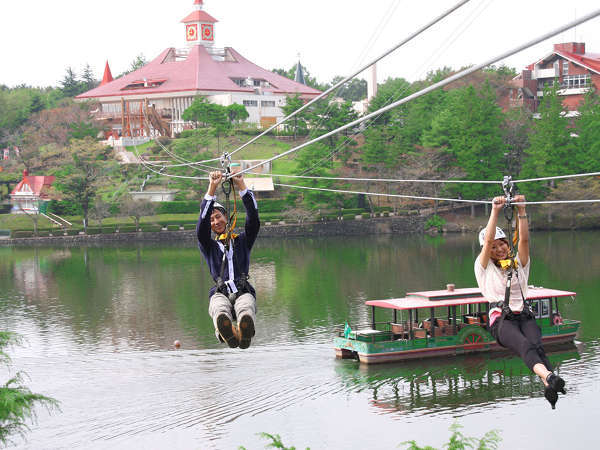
245,331
225,328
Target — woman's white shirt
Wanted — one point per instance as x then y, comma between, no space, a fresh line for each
492,282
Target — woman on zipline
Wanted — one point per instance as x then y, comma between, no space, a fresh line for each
228,259
513,325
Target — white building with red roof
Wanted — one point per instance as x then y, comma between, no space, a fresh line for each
31,190
575,69
165,87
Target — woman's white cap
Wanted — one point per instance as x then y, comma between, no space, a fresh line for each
499,235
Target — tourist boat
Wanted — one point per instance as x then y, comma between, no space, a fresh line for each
444,323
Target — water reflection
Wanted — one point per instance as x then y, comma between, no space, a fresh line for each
458,384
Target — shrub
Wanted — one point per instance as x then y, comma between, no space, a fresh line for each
127,229
435,222
93,230
189,226
173,227
366,215
18,402
348,216
64,208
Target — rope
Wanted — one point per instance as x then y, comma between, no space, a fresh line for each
433,87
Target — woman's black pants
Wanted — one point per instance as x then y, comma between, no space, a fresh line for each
521,334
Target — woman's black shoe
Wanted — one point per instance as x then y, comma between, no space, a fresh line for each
551,396
556,383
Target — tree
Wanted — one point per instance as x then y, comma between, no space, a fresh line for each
138,62
237,113
136,209
89,81
325,117
51,129
70,86
552,147
17,401
209,114
79,173
352,90
468,128
292,104
587,127
100,211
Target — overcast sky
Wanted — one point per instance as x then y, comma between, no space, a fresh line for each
40,38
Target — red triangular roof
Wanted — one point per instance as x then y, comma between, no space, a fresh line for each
199,16
37,184
198,72
590,61
107,78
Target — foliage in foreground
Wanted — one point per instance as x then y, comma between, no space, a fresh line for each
458,441
17,402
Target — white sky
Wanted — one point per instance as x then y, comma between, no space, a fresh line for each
40,38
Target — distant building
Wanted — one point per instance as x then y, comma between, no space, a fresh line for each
31,190
165,87
575,70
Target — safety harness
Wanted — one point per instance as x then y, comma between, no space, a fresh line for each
231,288
510,265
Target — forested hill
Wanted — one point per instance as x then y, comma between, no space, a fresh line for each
465,131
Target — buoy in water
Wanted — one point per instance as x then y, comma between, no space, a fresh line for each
176,344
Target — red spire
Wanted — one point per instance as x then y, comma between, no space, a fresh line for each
107,78
197,2
25,173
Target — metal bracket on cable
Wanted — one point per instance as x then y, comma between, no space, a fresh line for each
226,162
508,186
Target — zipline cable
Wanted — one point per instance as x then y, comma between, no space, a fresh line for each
416,197
364,67
558,177
456,33
435,86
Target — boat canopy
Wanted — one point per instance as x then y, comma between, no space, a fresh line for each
457,297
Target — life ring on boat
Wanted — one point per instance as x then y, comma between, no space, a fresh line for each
557,319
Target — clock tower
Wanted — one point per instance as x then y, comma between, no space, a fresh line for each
199,27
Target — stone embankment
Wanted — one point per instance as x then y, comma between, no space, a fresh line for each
380,225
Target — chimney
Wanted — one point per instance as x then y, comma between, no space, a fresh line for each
571,47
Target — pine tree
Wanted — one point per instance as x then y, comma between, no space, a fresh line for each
552,147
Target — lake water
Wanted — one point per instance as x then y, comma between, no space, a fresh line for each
100,323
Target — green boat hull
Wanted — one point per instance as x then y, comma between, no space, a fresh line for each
382,347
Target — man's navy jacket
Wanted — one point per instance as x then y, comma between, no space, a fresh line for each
238,260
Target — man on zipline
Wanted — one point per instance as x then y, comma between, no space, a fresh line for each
511,321
228,259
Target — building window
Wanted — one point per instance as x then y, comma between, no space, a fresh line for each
575,81
250,102
565,67
267,103
256,83
238,81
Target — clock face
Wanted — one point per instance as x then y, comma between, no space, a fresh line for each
191,32
207,32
